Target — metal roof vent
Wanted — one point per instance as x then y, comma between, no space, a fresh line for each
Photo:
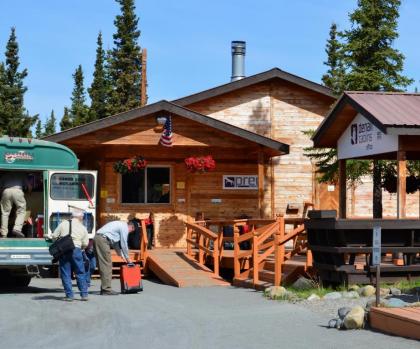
238,60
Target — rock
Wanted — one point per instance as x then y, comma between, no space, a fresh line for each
276,292
332,323
342,312
303,284
396,303
355,318
367,291
313,297
291,297
395,291
372,303
353,288
332,295
415,304
339,324
350,294
383,292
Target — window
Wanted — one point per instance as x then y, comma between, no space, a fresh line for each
148,186
71,186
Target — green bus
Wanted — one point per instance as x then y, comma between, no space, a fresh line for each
58,188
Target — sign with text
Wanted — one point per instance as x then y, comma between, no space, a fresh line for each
363,138
240,182
376,246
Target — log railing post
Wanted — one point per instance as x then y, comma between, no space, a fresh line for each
236,263
308,258
255,261
189,237
216,255
200,248
277,264
280,252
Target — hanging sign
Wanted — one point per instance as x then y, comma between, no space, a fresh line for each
376,246
363,138
240,182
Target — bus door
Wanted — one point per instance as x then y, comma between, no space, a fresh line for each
66,192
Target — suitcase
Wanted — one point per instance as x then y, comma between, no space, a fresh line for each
130,277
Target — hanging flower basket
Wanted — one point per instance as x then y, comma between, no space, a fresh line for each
389,183
131,165
200,164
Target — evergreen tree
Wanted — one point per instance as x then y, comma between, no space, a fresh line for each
125,61
38,129
335,74
79,111
66,121
50,125
14,119
99,89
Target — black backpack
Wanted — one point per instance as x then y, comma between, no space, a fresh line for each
134,237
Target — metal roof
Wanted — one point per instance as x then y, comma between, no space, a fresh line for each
390,108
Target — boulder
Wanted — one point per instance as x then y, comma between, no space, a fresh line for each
303,284
350,294
313,297
332,323
342,312
276,292
355,318
383,292
395,291
332,295
415,304
353,288
372,303
395,303
367,291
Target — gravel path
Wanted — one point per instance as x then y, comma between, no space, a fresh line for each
167,317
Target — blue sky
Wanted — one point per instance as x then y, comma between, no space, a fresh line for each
188,41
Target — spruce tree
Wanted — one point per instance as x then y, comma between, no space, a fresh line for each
335,74
125,61
79,111
38,129
99,89
50,125
66,121
14,119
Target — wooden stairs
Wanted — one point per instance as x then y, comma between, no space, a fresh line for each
174,267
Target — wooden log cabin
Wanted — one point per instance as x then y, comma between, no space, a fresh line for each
245,125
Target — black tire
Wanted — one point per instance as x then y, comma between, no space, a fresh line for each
22,281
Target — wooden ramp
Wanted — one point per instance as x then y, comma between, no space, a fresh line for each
404,322
174,267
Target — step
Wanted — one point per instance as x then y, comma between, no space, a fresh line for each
248,283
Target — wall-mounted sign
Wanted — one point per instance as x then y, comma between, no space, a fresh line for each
180,185
362,138
18,156
240,182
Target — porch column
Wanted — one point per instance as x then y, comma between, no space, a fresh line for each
261,183
401,186
342,202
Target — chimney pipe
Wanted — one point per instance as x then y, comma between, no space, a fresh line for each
238,60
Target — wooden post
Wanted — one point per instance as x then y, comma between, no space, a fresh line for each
255,262
189,237
261,183
342,210
401,180
143,87
216,256
200,251
279,252
236,263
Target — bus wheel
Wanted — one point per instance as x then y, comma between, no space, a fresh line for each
22,281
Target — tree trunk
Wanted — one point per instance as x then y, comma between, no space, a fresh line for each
377,190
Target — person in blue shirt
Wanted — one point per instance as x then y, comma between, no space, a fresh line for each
113,234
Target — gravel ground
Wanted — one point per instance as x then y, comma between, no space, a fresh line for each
167,317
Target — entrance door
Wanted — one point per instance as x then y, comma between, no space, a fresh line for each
67,192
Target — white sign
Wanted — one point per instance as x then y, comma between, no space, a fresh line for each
240,182
363,138
376,246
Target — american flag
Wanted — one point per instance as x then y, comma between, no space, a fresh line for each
166,137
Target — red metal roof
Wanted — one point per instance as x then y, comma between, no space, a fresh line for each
390,108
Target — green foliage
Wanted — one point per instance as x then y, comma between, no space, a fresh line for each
99,89
79,111
372,63
50,125
335,73
66,121
125,61
38,129
14,118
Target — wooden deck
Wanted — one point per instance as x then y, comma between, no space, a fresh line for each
174,267
404,322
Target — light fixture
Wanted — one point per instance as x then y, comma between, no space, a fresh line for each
161,119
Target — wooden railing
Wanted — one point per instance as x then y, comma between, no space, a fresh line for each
143,243
207,243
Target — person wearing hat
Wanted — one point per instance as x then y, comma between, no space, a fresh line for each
73,260
113,234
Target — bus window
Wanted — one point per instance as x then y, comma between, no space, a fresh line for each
72,186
